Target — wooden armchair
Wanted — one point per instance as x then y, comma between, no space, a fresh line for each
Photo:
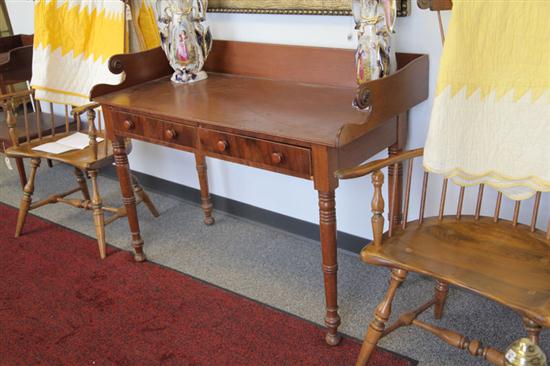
503,260
15,69
86,162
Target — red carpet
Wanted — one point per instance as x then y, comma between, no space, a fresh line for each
61,305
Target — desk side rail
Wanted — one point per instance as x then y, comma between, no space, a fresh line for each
391,96
138,68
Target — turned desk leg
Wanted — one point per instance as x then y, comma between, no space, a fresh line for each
128,198
327,221
21,170
206,202
324,165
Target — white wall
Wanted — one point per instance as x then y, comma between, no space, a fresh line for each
292,196
21,16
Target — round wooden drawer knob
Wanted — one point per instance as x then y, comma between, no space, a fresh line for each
277,158
170,134
129,125
222,145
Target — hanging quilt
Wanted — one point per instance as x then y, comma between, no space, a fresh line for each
74,40
490,121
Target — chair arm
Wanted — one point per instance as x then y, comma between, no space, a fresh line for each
373,166
84,108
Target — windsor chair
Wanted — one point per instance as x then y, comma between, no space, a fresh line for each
503,260
86,162
16,68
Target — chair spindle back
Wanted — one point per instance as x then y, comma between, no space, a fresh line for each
377,203
43,129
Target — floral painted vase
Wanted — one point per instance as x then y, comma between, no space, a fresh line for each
184,39
374,20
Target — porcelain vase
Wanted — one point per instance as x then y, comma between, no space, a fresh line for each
184,38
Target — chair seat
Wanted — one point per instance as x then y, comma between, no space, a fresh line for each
504,263
82,159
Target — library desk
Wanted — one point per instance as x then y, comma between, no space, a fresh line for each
286,109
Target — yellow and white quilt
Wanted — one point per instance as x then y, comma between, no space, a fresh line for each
490,121
74,40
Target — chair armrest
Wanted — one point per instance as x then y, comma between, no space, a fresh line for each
84,108
373,166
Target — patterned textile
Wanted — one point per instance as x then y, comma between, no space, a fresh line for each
143,33
73,42
491,117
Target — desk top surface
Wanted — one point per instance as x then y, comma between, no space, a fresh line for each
295,112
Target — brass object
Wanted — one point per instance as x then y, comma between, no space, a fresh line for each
305,7
363,100
524,352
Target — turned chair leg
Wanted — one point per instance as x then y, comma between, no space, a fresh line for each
21,170
26,201
441,292
381,316
533,329
82,183
99,219
144,197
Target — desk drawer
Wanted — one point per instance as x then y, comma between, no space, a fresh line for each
153,130
265,154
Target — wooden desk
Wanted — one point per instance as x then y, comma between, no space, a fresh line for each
281,108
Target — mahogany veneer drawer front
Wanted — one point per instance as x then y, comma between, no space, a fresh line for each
154,130
266,154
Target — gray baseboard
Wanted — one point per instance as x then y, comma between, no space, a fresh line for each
295,226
